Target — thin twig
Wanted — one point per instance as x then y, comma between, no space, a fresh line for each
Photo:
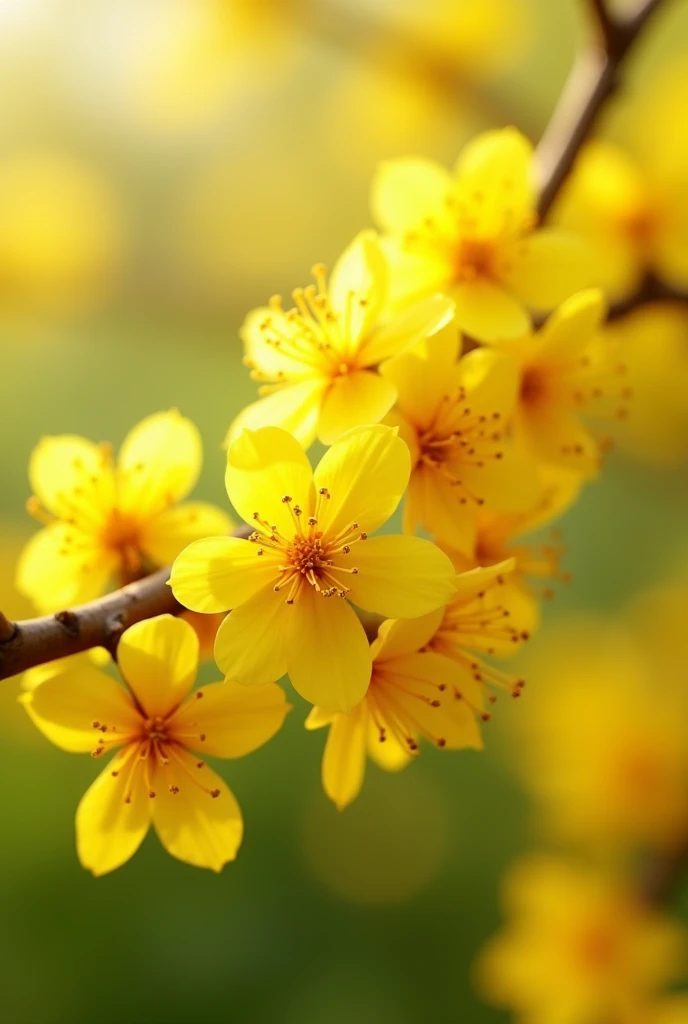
651,290
593,80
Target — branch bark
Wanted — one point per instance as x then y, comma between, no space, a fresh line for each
594,79
99,623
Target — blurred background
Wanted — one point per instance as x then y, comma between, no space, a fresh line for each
165,165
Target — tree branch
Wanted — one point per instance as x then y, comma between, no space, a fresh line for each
651,290
593,80
100,623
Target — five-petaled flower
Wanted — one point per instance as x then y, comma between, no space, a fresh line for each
471,236
454,426
107,522
311,549
412,695
156,724
567,369
317,361
579,946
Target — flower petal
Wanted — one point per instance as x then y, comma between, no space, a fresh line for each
250,643
445,718
389,754
193,825
406,192
343,764
271,360
486,311
73,479
158,658
233,719
66,707
433,502
328,657
114,814
396,637
166,535
415,276
295,408
495,182
262,467
61,566
352,401
569,330
400,577
219,573
159,463
358,287
407,329
424,375
319,717
545,268
365,473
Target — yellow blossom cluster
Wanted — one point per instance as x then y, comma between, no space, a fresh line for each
424,363
605,756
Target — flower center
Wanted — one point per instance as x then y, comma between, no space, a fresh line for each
309,557
533,386
312,333
475,257
459,441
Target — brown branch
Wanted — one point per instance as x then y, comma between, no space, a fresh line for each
593,80
662,874
651,290
100,623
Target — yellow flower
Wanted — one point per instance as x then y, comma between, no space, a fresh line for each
107,522
471,235
310,549
629,202
605,746
62,237
453,427
320,357
411,695
578,947
567,368
155,724
473,624
653,342
501,537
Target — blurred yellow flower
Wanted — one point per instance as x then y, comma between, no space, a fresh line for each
454,429
501,537
478,38
61,234
605,747
471,234
578,947
107,522
309,549
192,56
566,368
320,356
629,201
653,343
411,696
155,777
